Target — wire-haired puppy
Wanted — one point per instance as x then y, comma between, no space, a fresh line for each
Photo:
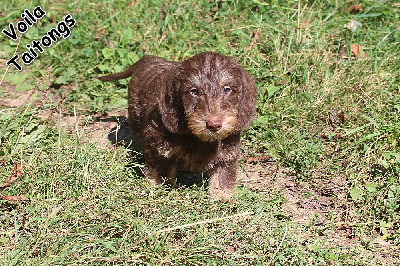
190,115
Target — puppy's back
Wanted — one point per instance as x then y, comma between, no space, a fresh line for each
151,75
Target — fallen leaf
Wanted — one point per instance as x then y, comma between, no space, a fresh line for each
355,9
343,117
13,199
16,173
357,51
257,159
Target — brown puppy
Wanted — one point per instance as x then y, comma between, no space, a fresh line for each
190,115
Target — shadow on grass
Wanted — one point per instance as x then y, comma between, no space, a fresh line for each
121,135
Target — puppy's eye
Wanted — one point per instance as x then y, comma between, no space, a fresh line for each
227,89
194,91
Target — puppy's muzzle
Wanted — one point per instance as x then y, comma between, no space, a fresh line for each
212,128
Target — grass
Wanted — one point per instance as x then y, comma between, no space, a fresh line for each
323,114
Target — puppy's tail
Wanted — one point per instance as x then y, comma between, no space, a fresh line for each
121,75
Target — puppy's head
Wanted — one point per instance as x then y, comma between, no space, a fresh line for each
214,96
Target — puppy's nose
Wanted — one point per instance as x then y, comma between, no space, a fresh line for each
214,125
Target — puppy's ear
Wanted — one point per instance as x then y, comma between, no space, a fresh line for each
248,99
171,107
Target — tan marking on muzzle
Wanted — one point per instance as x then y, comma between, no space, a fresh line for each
197,124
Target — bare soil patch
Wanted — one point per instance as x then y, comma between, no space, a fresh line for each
320,205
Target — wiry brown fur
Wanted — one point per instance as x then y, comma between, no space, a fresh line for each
190,115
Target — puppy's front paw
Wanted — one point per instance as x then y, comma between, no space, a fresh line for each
221,194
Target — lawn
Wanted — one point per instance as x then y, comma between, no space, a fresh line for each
319,176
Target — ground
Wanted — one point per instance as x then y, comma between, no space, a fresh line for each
310,203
